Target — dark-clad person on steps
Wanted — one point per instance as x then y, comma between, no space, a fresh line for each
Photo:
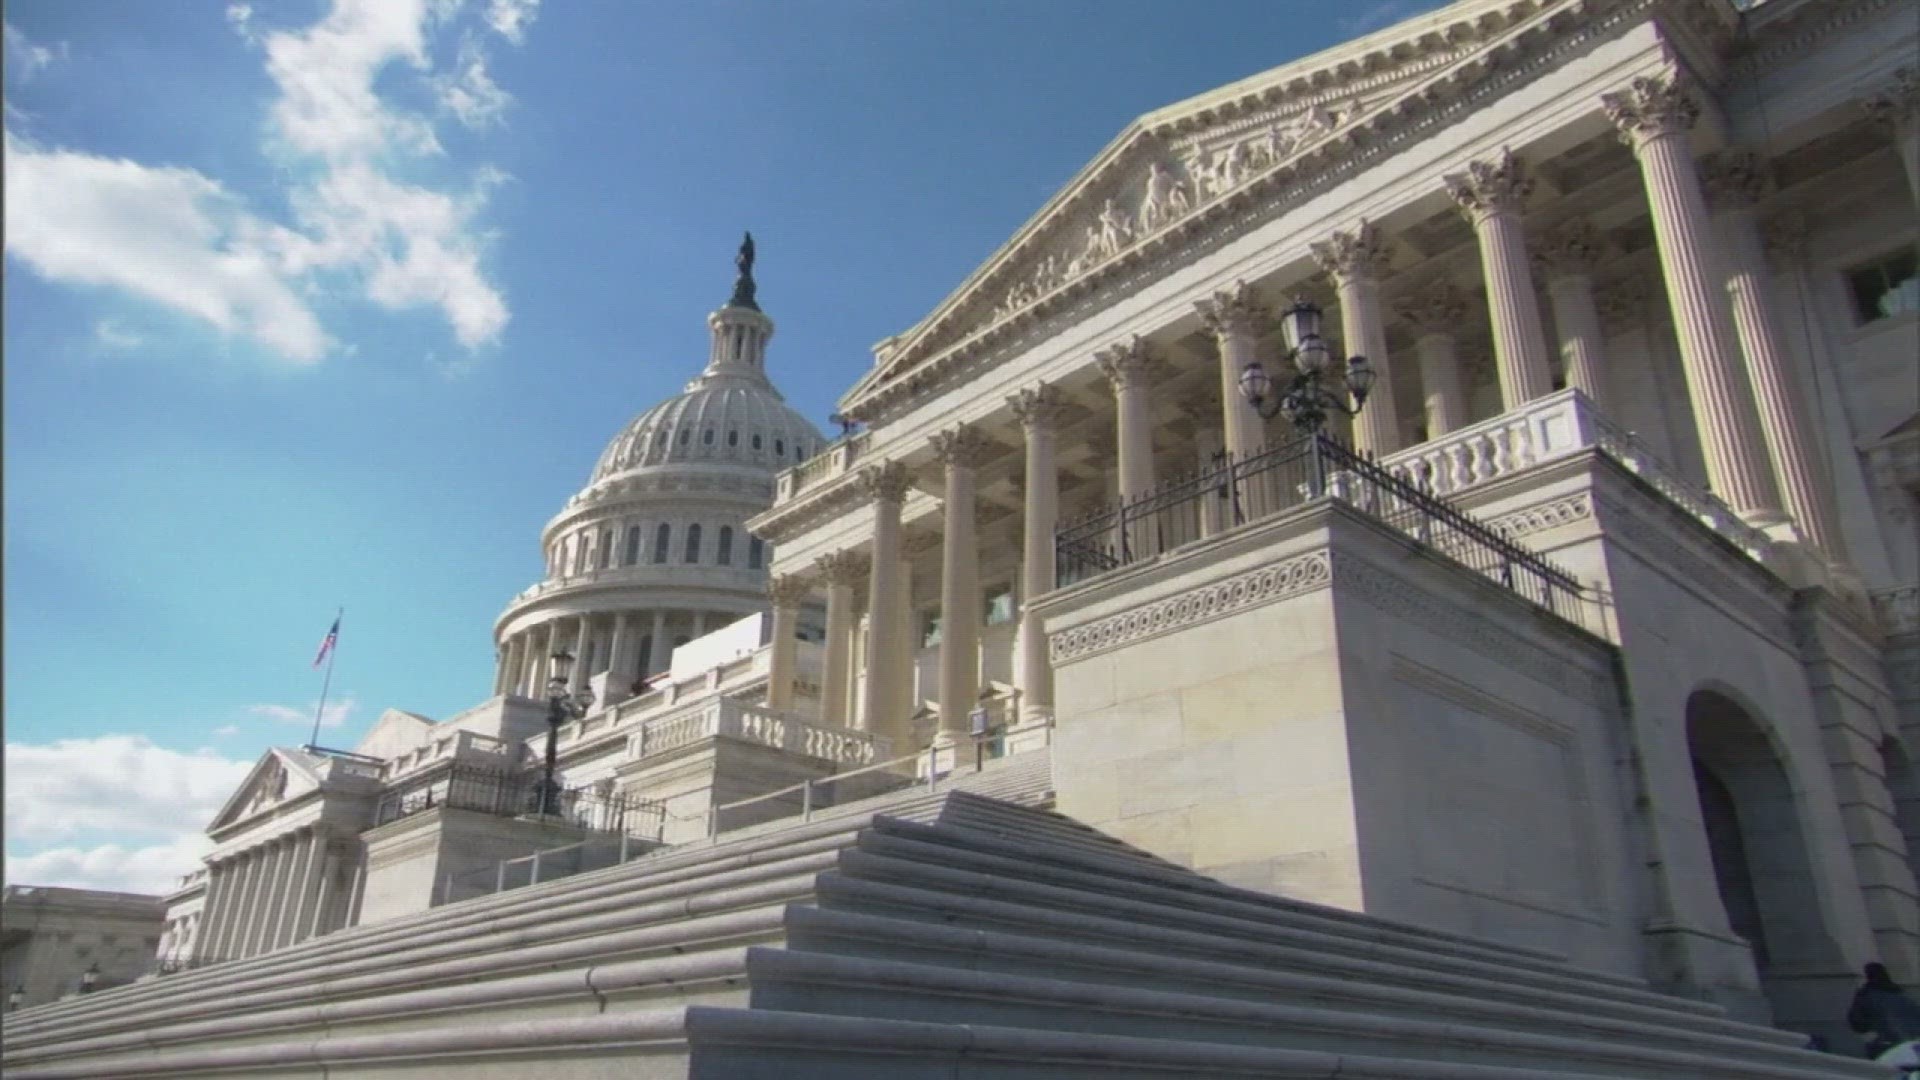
1883,1012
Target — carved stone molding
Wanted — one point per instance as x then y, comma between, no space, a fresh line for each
1786,239
1040,405
843,567
1572,250
788,590
1126,365
1255,588
1736,180
1439,308
1897,102
1491,187
1547,515
886,482
1232,310
1651,107
1359,255
962,447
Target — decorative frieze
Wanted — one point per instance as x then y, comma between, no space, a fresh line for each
1255,588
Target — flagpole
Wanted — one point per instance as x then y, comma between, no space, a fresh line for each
326,682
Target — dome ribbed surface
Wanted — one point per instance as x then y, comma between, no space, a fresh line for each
725,418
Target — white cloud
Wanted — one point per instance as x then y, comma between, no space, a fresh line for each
26,59
227,729
123,785
177,237
111,335
335,714
151,868
510,18
470,92
169,234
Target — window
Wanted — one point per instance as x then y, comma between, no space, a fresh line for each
606,548
999,605
660,543
779,448
733,438
1886,287
929,629
685,435
633,545
756,553
693,543
707,438
756,442
724,556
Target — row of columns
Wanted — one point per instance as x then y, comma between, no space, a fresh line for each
526,658
279,893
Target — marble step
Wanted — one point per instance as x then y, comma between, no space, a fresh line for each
793,981
1303,952
1491,1005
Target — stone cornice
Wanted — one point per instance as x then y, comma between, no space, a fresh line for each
1797,29
1520,53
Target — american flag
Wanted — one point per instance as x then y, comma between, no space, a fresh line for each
326,646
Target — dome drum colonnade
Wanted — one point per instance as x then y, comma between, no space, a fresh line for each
1756,443
655,551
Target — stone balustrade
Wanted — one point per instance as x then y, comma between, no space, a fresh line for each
464,746
836,460
651,573
1552,427
727,718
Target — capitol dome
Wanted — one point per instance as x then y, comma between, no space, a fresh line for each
654,551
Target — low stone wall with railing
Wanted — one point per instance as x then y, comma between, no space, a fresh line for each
722,717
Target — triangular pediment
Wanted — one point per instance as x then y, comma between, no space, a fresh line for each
1170,164
395,733
279,776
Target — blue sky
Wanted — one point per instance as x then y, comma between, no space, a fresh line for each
334,302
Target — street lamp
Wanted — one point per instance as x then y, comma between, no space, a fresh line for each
561,707
90,978
1305,399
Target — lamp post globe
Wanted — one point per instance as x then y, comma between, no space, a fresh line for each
1306,400
561,707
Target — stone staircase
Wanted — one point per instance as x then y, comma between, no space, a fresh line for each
961,933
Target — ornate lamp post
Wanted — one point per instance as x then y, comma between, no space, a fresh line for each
1305,399
561,707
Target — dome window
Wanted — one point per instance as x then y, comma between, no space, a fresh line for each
693,544
723,555
633,546
606,548
707,439
660,537
733,438
756,442
779,448
686,435
756,552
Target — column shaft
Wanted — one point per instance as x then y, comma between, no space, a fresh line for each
839,571
1783,420
329,869
786,593
271,897
618,671
1440,382
1233,316
215,912
1656,115
1039,411
250,903
961,450
660,657
888,653
1581,342
1491,193
303,911
1356,260
577,677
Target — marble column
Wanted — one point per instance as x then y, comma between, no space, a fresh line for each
577,675
329,869
1567,258
511,675
502,662
786,593
1490,194
248,896
1895,107
619,673
239,877
961,451
1735,185
1208,440
887,703
1128,368
216,911
542,660
1038,409
299,845
303,909
1234,316
1437,314
1654,116
840,570
258,895
1356,260
660,652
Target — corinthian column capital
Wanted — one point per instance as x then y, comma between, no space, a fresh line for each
1651,107
843,567
1437,309
1038,406
1352,256
885,482
1490,187
1232,310
1126,365
1572,250
961,447
788,590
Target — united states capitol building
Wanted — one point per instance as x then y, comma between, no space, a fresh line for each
1404,567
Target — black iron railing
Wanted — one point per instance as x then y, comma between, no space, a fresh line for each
1284,477
512,794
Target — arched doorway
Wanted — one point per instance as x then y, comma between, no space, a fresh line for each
1762,865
